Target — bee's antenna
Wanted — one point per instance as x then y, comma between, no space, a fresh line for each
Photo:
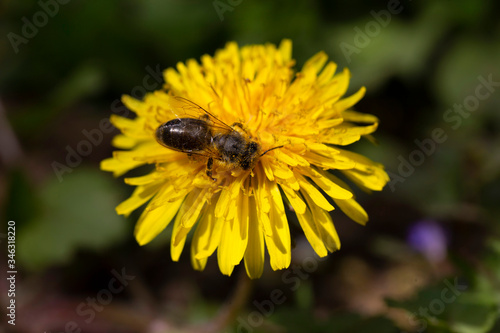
270,150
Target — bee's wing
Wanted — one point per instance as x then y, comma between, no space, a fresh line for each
184,108
207,152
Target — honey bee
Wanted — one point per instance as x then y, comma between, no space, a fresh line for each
210,137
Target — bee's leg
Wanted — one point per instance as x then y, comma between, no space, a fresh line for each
240,125
210,164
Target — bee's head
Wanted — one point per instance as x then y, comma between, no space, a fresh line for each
253,147
250,155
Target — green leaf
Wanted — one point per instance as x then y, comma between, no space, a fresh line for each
22,203
473,313
78,212
298,320
449,308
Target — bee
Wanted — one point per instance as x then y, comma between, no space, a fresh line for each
210,137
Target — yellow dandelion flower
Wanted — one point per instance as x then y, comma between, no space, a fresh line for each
246,135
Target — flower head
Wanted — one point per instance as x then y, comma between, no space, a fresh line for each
241,211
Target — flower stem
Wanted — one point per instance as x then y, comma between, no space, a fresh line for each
232,308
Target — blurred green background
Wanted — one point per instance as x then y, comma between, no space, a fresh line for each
428,260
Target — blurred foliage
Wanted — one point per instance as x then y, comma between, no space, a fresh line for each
299,321
429,57
75,213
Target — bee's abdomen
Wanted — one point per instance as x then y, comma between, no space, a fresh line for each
186,134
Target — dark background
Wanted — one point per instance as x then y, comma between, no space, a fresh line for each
63,70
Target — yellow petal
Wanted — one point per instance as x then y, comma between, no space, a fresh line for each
287,156
315,64
195,202
225,247
234,237
285,50
198,264
347,102
179,234
354,210
358,117
278,244
329,123
324,225
317,197
124,142
327,73
118,167
169,193
133,128
342,82
281,170
338,162
295,200
331,188
311,232
322,149
254,254
350,206
208,233
139,197
151,223
159,154
143,180
147,152
268,170
173,80
363,163
244,220
346,134
228,193
281,156
133,104
188,215
262,199
374,180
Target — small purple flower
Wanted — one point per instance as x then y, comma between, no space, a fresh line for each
429,238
